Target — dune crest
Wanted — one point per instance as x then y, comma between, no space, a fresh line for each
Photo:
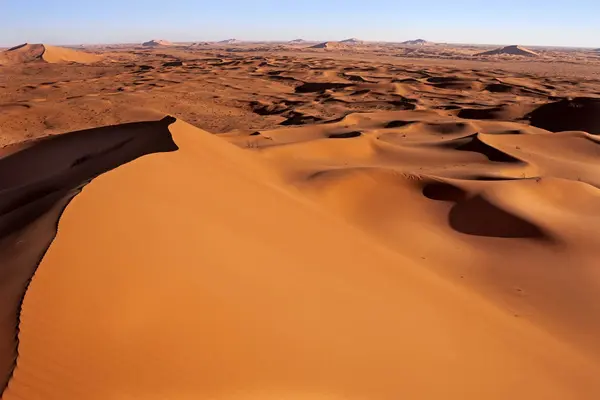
513,50
36,196
26,53
351,41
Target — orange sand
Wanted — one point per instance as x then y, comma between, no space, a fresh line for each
325,245
201,274
46,53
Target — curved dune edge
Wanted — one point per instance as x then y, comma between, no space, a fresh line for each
37,182
42,52
54,54
214,279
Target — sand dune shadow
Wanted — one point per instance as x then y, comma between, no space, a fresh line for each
475,215
36,184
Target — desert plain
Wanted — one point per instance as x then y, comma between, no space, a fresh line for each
337,220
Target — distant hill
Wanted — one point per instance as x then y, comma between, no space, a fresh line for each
157,43
337,45
27,53
416,42
510,50
351,41
297,41
229,41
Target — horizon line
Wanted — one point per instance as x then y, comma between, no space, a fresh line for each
274,41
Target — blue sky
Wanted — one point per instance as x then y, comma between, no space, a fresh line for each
533,22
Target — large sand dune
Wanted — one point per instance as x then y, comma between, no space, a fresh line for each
157,43
511,51
346,43
416,42
37,182
42,52
216,278
363,227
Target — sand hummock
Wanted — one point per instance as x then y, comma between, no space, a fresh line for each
157,43
26,53
510,50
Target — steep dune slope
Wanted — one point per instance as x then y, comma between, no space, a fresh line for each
22,53
36,182
26,53
53,54
214,279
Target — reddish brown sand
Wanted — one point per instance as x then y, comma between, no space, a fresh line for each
27,53
424,231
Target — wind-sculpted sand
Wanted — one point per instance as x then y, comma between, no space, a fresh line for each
356,229
220,89
27,53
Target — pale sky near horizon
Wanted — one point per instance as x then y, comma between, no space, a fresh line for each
533,22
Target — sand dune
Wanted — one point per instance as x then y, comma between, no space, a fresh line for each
465,188
325,45
157,43
198,44
60,98
34,196
363,227
416,42
510,50
579,114
338,45
26,53
332,45
351,41
293,302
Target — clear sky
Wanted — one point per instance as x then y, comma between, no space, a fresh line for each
526,22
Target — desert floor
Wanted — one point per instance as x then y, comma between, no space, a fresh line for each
255,222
